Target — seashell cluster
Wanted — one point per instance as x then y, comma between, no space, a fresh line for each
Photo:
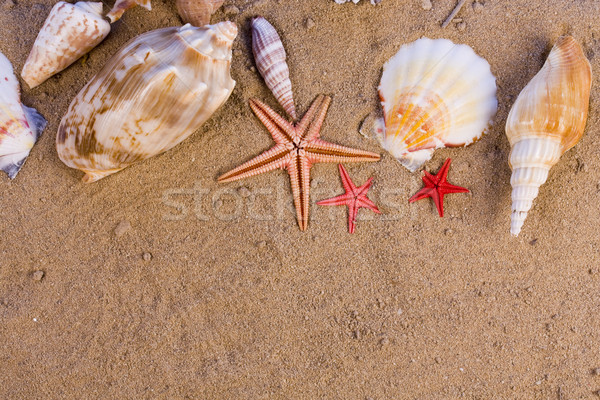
270,57
20,126
150,96
197,12
70,31
547,119
123,5
434,94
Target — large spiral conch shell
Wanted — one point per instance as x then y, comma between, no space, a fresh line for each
150,96
547,119
270,56
70,31
20,126
197,12
434,94
123,5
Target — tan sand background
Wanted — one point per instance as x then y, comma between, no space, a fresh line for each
160,283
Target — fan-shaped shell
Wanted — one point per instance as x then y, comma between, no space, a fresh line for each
547,119
197,12
151,95
121,6
434,94
270,56
20,126
70,31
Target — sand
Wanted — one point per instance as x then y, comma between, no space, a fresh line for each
158,282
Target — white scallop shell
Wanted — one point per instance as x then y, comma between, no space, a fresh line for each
70,31
150,96
20,126
121,6
434,94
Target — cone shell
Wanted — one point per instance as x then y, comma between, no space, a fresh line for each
197,12
547,119
434,94
270,56
20,126
121,6
70,31
151,95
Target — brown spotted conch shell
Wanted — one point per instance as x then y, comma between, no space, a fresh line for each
270,57
70,31
197,12
123,5
151,95
547,119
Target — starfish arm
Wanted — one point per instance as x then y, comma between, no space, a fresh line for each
314,130
276,157
280,129
352,212
321,151
364,188
302,126
422,194
340,200
346,181
438,199
299,170
365,202
443,172
449,188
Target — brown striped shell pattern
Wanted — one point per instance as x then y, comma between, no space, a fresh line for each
197,12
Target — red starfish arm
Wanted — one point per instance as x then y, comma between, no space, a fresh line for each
302,126
276,157
321,151
422,194
352,212
314,130
443,172
365,202
280,129
346,181
299,171
446,188
438,199
364,188
340,200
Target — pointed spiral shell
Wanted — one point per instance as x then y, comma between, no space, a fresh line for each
121,6
197,12
547,119
151,95
270,56
70,31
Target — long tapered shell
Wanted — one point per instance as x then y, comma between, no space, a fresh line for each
70,31
434,94
123,5
150,96
547,119
270,56
20,126
197,12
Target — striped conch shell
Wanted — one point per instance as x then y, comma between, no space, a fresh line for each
70,31
150,96
434,94
197,12
547,119
270,56
20,126
123,5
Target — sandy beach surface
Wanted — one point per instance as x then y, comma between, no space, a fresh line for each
159,282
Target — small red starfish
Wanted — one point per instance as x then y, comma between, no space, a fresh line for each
354,198
436,187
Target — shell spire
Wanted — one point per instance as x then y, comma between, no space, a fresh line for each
121,6
547,119
20,126
150,96
70,31
270,57
197,12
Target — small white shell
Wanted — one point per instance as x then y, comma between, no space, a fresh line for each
270,56
151,95
20,126
197,12
434,94
70,31
123,5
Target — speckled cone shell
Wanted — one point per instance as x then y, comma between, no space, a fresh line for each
70,31
151,95
20,126
434,94
197,12
270,56
121,6
547,119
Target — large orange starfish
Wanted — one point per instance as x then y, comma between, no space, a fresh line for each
297,148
